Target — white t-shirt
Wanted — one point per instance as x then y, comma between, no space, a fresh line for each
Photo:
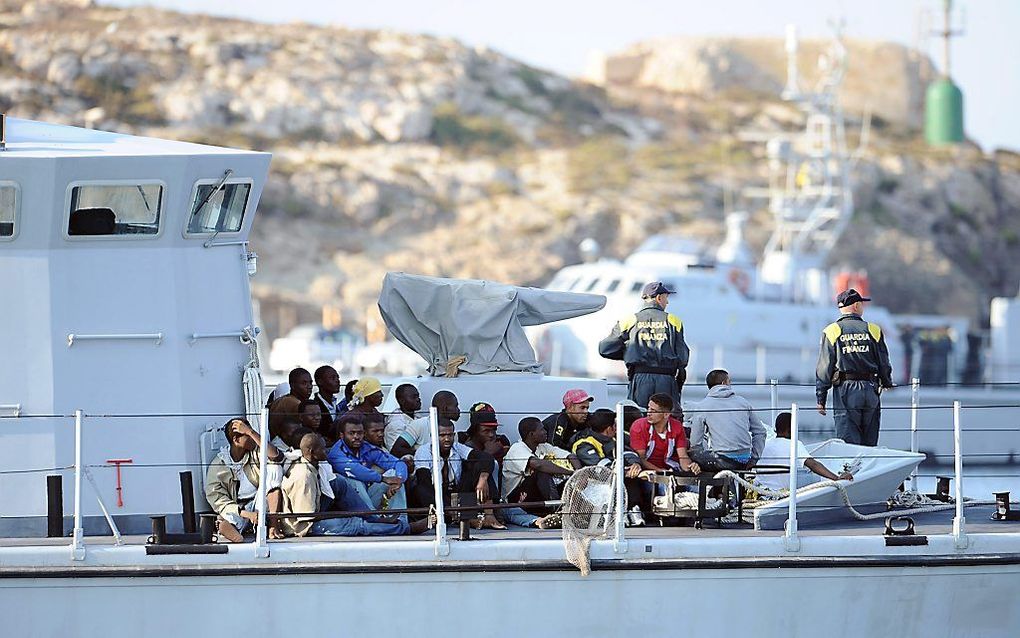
515,463
777,452
414,431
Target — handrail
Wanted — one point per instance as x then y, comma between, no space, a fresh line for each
619,542
791,540
77,540
261,533
442,543
959,522
142,336
15,408
195,336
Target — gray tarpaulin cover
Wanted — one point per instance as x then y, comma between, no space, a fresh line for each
483,321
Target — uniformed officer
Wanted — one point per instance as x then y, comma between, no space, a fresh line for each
853,360
651,343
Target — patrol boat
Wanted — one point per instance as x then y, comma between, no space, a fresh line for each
128,334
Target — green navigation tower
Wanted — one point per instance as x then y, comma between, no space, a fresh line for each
943,112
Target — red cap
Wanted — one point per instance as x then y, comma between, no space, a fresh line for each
576,395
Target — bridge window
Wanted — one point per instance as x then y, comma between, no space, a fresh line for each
115,209
8,209
613,285
221,211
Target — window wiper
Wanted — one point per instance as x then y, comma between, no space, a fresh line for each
215,189
205,200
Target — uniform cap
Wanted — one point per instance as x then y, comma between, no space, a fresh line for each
655,288
849,297
483,414
575,396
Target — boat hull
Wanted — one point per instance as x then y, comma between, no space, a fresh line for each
979,596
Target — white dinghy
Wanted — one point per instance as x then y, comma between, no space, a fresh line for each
878,473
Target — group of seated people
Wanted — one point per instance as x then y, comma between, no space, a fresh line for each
344,464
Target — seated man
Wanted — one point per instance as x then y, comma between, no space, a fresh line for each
562,426
354,458
481,433
231,484
777,452
413,434
328,381
311,416
375,429
404,417
286,407
659,439
735,434
311,486
533,469
596,445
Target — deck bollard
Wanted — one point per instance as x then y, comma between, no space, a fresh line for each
54,506
207,528
158,530
187,502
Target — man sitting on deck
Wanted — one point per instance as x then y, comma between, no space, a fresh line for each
232,481
777,452
288,406
310,486
406,417
533,469
352,457
561,427
659,439
735,434
596,445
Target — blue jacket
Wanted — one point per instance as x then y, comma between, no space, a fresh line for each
359,466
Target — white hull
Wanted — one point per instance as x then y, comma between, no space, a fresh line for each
946,601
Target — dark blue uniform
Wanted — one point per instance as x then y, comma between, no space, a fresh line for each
853,360
651,343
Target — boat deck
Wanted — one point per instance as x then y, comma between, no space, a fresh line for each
934,523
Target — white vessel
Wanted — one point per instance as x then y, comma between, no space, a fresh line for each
127,335
762,322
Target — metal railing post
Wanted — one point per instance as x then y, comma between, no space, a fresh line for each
442,543
620,541
959,522
261,533
774,400
791,540
915,402
759,364
77,540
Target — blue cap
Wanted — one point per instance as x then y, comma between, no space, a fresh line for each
849,297
655,288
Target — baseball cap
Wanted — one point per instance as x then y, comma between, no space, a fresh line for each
655,288
576,395
849,297
483,414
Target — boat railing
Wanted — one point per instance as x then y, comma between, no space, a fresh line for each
617,535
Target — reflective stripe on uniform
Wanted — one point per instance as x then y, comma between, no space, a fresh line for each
876,332
595,443
832,332
675,321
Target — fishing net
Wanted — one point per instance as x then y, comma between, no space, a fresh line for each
589,512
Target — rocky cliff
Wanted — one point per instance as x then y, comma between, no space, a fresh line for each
395,151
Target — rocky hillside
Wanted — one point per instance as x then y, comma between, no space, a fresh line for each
397,151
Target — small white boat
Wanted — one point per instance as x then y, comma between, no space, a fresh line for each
878,473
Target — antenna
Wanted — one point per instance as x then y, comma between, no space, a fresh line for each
792,90
947,34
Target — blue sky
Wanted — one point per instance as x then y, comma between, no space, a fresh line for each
559,34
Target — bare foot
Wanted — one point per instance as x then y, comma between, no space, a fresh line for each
227,531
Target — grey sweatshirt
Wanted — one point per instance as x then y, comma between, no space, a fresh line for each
729,421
